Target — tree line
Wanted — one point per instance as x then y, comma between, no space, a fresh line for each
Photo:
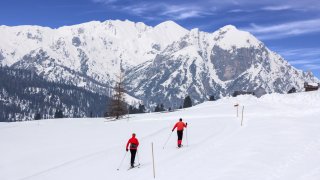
26,96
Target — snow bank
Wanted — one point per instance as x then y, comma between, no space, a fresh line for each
280,139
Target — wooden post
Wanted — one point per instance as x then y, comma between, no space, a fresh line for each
242,115
237,105
238,111
154,172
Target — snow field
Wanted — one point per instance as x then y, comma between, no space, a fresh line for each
280,139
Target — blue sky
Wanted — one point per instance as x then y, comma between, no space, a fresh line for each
288,27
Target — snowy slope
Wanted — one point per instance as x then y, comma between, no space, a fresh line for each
279,140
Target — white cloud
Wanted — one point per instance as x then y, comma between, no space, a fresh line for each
312,66
104,1
240,11
193,9
305,62
276,8
303,52
184,11
284,30
164,10
137,10
304,58
275,5
266,8
189,14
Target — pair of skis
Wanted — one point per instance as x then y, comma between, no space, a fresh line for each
136,166
180,146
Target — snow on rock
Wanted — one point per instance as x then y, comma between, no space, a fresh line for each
279,140
229,37
201,64
313,84
162,64
132,100
106,44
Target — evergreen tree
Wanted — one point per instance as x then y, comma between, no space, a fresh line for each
292,90
157,108
142,109
118,107
37,116
58,114
162,107
133,110
187,102
130,109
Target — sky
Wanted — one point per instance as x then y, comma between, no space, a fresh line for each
289,27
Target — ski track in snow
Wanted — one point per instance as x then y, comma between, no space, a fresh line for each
64,164
85,157
279,140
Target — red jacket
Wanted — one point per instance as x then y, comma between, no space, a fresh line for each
134,143
180,126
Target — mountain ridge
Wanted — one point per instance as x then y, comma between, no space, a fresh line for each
187,62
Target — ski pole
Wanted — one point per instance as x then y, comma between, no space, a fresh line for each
187,136
122,160
167,140
138,158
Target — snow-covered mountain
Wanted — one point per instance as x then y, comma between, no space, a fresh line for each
162,63
201,64
94,49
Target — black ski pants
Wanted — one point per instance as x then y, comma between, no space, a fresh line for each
180,134
133,156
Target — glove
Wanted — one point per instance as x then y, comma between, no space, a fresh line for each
126,149
186,124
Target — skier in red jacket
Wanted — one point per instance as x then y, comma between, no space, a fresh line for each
180,126
134,143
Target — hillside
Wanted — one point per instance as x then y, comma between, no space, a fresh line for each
279,140
24,94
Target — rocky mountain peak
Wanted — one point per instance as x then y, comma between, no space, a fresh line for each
162,63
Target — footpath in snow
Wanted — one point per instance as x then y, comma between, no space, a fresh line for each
279,139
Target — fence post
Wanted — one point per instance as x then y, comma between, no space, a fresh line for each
242,115
237,105
238,111
154,172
